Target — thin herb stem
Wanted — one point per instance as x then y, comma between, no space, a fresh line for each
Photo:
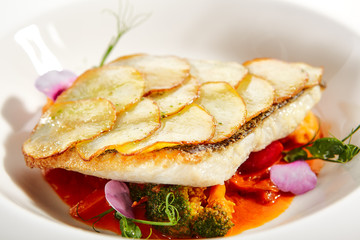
171,212
154,223
150,233
97,217
125,21
351,133
327,149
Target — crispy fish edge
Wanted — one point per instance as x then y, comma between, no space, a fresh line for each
199,167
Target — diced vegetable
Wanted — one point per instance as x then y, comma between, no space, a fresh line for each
263,159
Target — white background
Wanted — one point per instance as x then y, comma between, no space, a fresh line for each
337,222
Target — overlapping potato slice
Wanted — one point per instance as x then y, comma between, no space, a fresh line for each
216,71
65,124
121,85
286,78
314,73
174,100
105,108
192,125
133,125
258,95
160,72
223,102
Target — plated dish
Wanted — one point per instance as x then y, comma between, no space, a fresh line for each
337,131
203,147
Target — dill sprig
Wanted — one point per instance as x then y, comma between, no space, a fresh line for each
125,21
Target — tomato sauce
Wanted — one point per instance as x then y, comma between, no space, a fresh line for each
257,200
250,213
86,198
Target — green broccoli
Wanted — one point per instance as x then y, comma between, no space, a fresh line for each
203,213
212,222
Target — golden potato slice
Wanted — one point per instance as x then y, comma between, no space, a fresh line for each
216,71
160,72
172,101
287,79
65,124
223,102
133,125
191,125
314,73
258,95
121,85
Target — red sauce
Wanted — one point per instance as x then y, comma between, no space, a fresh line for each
257,200
250,213
86,199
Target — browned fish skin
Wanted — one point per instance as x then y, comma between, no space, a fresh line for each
183,165
242,132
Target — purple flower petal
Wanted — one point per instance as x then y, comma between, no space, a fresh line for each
295,177
118,196
54,82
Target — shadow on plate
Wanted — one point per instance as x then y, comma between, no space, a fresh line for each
44,201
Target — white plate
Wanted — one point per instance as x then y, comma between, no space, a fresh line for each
77,32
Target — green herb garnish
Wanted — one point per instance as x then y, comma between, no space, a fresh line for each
125,21
130,230
328,149
97,217
127,225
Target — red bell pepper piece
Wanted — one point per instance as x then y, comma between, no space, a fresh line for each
261,160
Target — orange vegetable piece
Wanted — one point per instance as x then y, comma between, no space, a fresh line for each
306,131
217,197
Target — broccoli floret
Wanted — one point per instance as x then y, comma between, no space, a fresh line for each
212,222
200,214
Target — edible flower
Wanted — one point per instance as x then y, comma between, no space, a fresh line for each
54,82
118,196
296,177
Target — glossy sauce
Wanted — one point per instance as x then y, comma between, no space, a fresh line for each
257,200
86,198
251,214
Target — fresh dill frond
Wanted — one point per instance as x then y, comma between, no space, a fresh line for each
125,21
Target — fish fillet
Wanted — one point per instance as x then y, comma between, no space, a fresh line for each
200,166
